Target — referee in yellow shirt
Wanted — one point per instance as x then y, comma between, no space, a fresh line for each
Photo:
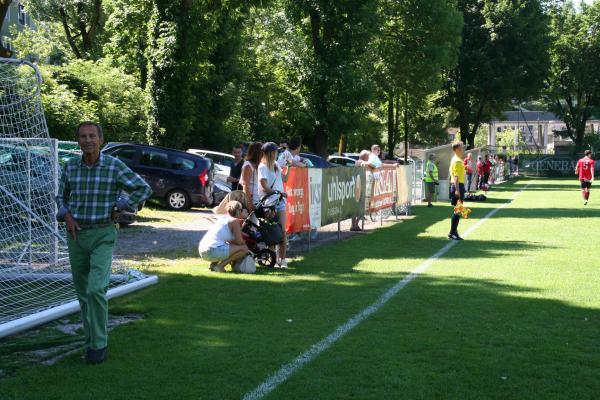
457,186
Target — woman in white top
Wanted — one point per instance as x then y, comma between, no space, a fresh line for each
223,243
271,180
249,178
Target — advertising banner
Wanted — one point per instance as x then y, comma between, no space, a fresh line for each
383,193
315,180
343,194
549,165
403,183
297,215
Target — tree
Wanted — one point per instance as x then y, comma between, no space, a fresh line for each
513,141
45,44
503,58
573,86
127,35
95,91
4,7
82,22
194,70
174,60
416,41
336,77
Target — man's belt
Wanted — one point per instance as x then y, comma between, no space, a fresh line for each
95,226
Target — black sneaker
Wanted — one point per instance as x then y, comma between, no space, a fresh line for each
454,236
430,205
95,356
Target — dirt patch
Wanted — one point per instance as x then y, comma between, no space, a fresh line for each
50,343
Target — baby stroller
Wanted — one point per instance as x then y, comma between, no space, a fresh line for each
261,230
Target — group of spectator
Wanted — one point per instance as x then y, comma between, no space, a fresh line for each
261,172
482,171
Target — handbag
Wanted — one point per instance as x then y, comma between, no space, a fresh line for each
271,232
246,265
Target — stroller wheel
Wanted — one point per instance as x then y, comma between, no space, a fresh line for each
266,258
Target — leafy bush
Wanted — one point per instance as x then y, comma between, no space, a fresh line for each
88,90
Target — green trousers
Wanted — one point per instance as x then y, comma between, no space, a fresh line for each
90,256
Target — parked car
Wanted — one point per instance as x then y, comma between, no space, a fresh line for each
223,162
341,161
179,178
25,180
218,158
316,160
354,156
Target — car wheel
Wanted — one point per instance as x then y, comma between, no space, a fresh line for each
178,200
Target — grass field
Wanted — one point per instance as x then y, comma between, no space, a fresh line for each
511,313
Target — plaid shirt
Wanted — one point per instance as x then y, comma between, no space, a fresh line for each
91,193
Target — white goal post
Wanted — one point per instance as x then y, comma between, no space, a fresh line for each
35,277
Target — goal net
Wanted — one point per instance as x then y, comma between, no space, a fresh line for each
35,277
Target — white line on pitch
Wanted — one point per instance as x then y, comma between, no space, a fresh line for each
290,368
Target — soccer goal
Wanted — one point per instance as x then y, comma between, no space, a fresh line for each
35,277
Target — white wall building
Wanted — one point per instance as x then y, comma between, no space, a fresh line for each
537,128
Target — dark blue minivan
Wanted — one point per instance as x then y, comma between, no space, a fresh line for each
181,179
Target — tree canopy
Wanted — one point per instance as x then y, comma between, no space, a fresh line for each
573,86
503,58
348,73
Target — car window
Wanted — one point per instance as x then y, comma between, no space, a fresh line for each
125,154
182,164
316,160
154,159
336,161
349,163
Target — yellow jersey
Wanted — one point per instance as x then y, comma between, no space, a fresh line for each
457,168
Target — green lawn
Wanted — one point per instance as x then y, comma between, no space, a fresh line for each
511,313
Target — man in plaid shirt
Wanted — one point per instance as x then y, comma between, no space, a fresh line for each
90,198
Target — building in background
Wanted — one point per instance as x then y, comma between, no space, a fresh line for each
538,129
16,19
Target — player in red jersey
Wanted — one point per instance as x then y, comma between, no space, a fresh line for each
585,171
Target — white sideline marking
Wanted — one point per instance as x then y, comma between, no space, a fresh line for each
290,368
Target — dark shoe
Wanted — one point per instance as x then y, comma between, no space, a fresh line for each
429,205
454,236
95,356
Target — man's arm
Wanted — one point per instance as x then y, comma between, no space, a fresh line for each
62,196
136,187
62,202
230,178
299,164
455,181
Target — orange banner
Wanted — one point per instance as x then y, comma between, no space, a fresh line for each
297,216
384,188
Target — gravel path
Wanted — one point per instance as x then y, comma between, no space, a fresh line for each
149,236
159,232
